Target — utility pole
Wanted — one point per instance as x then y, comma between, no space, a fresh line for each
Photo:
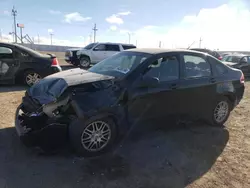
1,38
38,39
128,37
51,34
159,44
200,42
14,14
94,29
90,38
136,43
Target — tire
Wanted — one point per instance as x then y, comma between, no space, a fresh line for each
27,76
221,101
77,132
84,62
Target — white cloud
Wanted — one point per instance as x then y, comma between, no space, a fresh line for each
116,18
75,17
225,27
50,31
113,28
55,12
6,12
124,13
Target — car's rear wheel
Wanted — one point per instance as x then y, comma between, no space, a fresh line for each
93,137
84,62
221,111
31,77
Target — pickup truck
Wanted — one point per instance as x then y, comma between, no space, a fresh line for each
94,53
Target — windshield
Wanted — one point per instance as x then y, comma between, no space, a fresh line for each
89,46
120,64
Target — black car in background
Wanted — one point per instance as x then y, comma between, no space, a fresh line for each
94,108
210,52
239,61
19,64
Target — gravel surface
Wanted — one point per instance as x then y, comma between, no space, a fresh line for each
153,156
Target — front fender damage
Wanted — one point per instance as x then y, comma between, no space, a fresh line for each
46,125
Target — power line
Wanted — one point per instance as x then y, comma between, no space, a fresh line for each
14,14
94,29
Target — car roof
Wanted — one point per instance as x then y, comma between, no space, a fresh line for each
115,43
160,50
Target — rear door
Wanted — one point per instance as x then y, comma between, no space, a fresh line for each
198,85
9,64
112,49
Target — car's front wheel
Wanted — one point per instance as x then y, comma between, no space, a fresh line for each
93,137
84,62
221,111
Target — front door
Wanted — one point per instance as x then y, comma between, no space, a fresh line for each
99,53
8,63
159,101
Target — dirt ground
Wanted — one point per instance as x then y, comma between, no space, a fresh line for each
153,156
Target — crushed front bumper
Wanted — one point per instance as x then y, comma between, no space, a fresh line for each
50,136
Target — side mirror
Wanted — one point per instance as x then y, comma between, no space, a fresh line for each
148,81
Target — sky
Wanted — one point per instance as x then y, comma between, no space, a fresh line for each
220,24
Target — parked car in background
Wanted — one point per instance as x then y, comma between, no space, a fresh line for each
94,53
210,52
95,107
239,61
19,64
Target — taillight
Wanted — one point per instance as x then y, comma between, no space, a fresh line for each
220,58
54,62
242,79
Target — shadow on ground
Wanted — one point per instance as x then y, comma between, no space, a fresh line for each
150,157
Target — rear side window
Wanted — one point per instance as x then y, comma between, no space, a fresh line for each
112,47
126,47
220,68
196,67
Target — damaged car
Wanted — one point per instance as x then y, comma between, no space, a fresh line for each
93,109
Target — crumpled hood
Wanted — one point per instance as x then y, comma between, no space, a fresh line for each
52,87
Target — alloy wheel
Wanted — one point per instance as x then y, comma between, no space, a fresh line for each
32,78
96,136
221,111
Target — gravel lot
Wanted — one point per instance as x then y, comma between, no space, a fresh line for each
153,156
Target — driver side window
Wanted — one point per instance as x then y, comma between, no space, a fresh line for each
165,69
100,47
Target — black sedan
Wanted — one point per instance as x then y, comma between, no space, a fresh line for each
19,64
239,61
95,107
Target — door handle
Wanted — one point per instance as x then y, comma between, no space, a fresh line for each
173,86
212,80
